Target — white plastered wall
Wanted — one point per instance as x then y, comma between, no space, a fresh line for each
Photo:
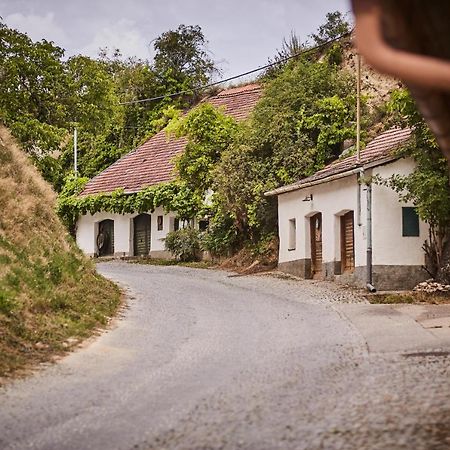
87,230
332,199
389,246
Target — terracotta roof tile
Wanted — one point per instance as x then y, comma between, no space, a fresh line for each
151,163
379,149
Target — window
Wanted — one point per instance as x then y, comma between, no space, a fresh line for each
203,224
176,224
292,234
160,223
410,222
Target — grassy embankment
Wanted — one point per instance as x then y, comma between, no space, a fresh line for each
50,294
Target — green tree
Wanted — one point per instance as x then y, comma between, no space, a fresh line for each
428,186
300,123
182,61
209,132
335,26
33,91
44,97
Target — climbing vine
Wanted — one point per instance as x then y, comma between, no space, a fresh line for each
173,196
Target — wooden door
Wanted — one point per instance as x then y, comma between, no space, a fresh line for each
105,238
316,244
142,235
347,242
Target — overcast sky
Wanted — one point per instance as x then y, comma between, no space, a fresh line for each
242,34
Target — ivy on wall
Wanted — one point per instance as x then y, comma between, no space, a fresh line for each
172,196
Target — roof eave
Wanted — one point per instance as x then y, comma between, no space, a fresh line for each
335,176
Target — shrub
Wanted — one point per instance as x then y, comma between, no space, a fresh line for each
184,244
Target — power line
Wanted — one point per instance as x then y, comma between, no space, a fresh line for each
206,86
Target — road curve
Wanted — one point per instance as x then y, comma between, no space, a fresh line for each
200,360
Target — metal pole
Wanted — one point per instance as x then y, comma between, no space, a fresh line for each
369,284
75,151
358,107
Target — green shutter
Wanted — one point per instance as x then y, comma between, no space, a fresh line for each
410,222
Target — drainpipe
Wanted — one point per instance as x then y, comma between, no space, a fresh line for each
369,284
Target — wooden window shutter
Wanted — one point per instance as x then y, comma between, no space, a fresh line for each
410,222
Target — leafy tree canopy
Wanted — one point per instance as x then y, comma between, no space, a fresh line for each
428,186
44,97
182,59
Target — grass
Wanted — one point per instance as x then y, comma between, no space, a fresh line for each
409,298
50,294
173,262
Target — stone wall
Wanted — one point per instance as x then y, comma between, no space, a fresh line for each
299,268
385,278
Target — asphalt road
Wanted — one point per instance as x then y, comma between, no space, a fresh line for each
200,360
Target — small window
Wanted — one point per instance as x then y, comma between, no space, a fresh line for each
160,223
176,224
410,222
203,224
292,234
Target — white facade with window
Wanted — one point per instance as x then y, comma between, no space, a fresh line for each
338,242
124,234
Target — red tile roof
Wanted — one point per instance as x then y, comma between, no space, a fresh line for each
151,163
378,150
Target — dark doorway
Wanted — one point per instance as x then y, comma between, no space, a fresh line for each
105,238
347,242
316,245
142,234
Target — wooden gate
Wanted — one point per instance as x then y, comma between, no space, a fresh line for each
142,235
316,244
347,242
105,238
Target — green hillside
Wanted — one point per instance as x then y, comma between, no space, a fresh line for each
50,294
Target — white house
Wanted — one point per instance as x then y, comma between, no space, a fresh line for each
333,225
103,233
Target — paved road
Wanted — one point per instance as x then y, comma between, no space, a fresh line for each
200,360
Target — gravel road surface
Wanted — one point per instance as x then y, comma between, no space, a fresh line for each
201,360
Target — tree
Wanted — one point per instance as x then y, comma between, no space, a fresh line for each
335,26
289,48
44,97
428,186
33,91
209,132
182,61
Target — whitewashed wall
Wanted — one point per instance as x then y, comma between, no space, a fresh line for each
87,231
389,246
335,198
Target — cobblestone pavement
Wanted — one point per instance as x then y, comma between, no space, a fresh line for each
204,361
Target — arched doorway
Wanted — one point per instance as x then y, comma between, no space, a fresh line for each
105,238
316,245
142,234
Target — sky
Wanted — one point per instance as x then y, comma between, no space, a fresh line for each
241,34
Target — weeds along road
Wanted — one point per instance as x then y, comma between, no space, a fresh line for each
200,360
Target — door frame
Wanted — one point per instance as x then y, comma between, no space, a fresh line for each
316,266
344,260
148,236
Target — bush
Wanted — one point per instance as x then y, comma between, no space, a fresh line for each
184,244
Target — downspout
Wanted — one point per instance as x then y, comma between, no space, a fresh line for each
369,284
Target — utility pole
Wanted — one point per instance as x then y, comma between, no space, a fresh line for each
75,151
358,107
